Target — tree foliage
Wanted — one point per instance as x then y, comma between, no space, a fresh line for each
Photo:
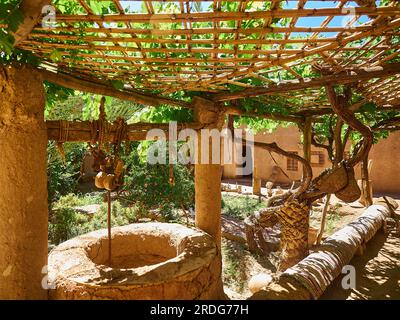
62,177
151,185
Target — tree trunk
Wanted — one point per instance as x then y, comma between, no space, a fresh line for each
293,217
366,188
23,188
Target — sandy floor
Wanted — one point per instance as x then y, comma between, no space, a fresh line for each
378,272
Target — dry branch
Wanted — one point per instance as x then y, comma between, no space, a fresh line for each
307,175
340,106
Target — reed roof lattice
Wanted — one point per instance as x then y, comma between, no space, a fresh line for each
224,46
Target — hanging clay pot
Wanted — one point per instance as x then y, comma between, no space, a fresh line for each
109,182
119,168
99,180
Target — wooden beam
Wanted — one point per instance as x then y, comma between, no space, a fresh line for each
227,16
293,85
83,130
106,89
32,10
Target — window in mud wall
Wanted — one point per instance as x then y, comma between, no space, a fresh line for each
317,158
292,165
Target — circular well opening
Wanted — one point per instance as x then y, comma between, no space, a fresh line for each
133,250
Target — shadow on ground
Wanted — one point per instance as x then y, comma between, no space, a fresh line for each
378,272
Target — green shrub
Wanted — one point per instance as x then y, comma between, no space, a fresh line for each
62,178
67,222
239,206
148,186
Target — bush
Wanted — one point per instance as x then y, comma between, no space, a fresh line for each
67,222
146,188
62,178
239,206
148,185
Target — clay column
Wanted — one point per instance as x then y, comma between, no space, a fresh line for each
208,185
208,175
23,188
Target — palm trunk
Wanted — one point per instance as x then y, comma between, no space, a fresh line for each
294,218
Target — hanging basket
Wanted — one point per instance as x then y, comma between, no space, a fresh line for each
351,192
332,180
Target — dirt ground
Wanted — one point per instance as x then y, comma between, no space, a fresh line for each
378,270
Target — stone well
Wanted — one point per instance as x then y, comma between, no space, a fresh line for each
149,261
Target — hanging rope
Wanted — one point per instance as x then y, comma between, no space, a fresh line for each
110,176
104,130
103,127
94,130
62,137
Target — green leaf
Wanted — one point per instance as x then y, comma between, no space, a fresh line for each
14,20
138,80
369,107
56,55
117,84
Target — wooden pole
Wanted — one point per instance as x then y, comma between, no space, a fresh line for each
106,89
299,84
109,227
323,219
256,179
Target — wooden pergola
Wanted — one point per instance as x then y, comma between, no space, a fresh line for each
225,50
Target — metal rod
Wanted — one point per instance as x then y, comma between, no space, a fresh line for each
109,226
